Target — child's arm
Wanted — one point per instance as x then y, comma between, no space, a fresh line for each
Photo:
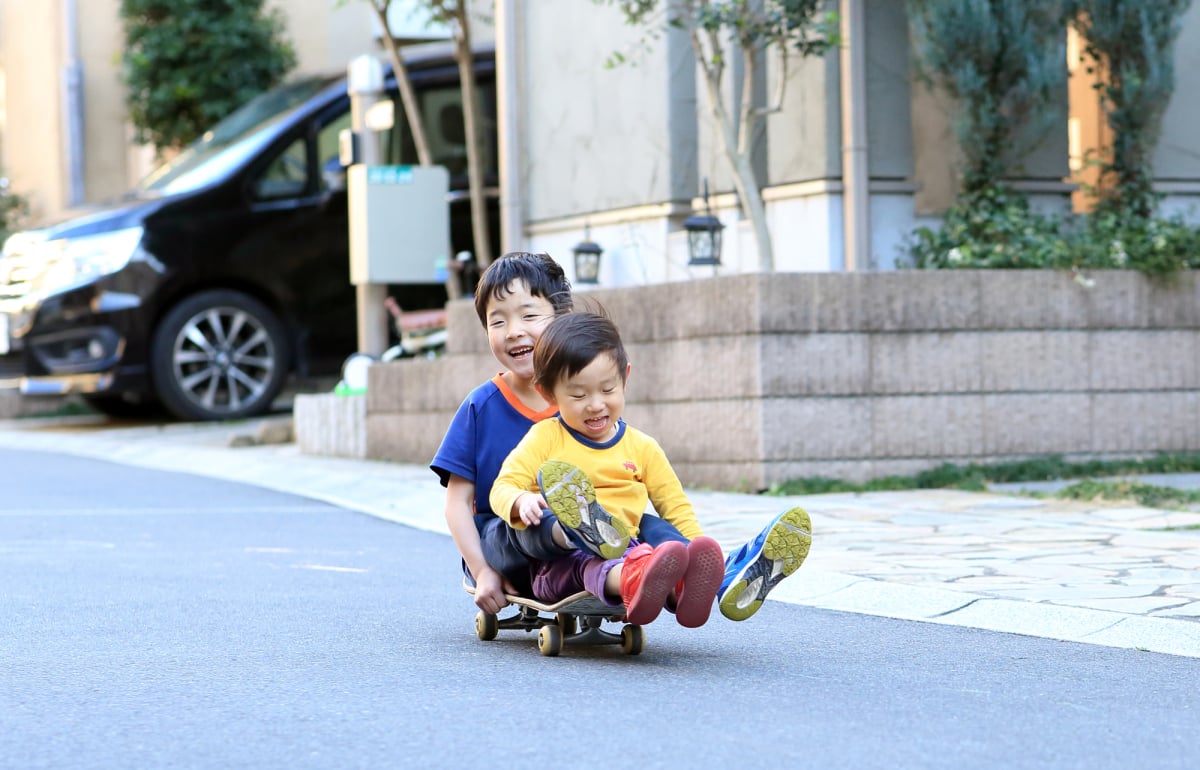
490,585
667,495
512,497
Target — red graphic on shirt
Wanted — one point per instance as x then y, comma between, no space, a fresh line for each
630,466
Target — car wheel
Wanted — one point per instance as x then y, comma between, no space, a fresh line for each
219,355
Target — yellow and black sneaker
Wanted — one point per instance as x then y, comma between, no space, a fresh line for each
572,498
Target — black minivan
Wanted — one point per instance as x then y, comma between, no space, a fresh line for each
227,268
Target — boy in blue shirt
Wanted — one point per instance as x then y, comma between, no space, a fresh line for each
516,298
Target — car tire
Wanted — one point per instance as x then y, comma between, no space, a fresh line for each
219,355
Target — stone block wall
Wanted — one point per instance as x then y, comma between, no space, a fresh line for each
751,380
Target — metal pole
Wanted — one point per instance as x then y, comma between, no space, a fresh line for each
508,107
365,87
856,200
72,84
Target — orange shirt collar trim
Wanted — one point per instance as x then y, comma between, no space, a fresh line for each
516,403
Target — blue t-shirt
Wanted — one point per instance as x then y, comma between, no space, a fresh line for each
486,427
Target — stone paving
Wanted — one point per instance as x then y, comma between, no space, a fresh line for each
1085,572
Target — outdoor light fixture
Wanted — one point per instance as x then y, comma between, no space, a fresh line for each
587,259
704,235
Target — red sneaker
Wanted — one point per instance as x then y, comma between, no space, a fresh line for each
647,577
705,570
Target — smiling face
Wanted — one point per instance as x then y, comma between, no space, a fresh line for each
515,320
591,401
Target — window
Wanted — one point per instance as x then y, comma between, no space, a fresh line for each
287,175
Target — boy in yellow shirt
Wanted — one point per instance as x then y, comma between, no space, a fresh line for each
596,474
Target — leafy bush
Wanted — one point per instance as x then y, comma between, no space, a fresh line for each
189,63
13,209
995,228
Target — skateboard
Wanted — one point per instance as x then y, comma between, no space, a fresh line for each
575,620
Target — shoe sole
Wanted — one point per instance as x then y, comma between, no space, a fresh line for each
701,581
667,566
572,498
784,549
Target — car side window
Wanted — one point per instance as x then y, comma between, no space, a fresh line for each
328,155
286,176
442,114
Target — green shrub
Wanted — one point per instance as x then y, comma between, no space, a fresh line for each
13,209
992,228
1154,245
995,228
189,63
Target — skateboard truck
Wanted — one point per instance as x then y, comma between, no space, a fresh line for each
576,620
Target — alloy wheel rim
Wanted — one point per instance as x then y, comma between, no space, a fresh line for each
223,360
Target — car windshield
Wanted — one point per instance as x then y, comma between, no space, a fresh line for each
231,141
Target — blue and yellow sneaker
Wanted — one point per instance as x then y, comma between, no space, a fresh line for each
757,567
571,497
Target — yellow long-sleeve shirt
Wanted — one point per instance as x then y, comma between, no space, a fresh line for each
626,473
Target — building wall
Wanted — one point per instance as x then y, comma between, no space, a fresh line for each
1176,158
595,138
33,51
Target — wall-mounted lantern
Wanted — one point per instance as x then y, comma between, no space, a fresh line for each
704,235
587,259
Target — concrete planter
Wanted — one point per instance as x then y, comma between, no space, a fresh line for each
751,380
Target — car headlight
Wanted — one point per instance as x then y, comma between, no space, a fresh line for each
75,261
24,241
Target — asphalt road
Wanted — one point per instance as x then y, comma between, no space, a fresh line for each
152,619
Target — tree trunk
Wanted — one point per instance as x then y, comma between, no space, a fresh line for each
739,161
466,70
408,97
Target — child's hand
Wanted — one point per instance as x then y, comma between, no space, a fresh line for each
490,588
529,508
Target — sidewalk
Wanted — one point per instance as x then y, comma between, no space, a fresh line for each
1074,571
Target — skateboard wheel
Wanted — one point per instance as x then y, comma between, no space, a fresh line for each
633,639
566,622
486,626
550,640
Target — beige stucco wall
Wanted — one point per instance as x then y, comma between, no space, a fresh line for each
32,56
594,138
106,138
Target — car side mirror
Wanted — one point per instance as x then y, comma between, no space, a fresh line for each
333,174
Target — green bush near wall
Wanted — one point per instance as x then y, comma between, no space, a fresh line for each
996,228
13,208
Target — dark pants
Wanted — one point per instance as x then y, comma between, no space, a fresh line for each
655,530
509,551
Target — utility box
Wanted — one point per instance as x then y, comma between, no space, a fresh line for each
399,223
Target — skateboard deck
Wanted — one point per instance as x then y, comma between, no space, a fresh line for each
575,620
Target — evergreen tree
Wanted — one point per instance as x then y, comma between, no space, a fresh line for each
1132,42
1004,63
189,63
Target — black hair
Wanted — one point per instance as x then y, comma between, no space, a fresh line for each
542,276
570,343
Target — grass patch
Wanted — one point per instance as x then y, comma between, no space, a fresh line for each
975,478
1146,495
